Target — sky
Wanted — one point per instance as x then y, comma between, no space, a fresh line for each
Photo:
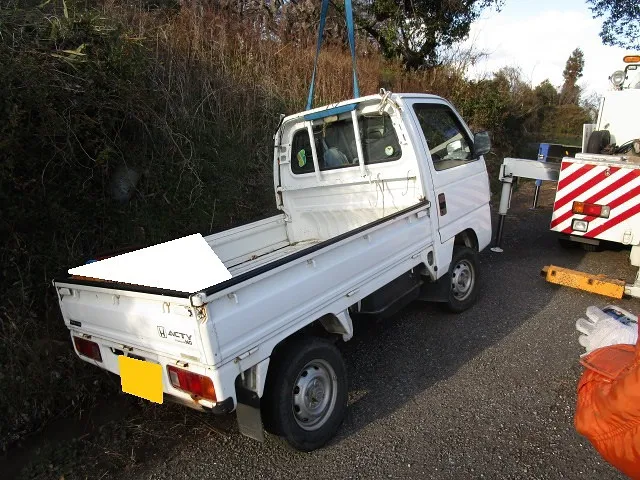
538,36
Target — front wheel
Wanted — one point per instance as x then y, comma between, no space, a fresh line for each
463,273
305,398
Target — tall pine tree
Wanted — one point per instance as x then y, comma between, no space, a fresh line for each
570,91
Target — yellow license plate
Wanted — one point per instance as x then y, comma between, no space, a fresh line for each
140,378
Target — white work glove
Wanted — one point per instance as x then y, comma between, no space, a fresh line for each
609,327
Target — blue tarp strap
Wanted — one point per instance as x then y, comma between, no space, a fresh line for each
348,13
323,19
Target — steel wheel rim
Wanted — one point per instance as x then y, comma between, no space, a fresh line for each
314,395
462,280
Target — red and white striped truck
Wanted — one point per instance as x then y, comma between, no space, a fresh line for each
598,193
598,199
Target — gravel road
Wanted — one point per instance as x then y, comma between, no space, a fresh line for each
487,394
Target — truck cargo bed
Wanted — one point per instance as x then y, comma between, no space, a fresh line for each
260,260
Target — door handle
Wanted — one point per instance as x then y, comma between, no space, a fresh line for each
442,203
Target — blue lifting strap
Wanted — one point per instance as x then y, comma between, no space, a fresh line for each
348,12
323,18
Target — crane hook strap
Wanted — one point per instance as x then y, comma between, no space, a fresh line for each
348,13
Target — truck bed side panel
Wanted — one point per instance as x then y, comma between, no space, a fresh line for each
243,243
324,281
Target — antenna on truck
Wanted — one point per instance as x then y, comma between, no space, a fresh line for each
348,14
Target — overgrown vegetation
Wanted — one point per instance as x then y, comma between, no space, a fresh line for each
182,101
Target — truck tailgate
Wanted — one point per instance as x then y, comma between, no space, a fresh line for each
155,323
600,180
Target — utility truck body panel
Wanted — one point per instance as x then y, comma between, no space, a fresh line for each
618,115
612,185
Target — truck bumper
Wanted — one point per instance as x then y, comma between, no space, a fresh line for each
219,408
110,351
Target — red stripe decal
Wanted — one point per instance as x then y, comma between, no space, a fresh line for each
614,221
565,216
583,188
575,175
628,177
565,165
634,192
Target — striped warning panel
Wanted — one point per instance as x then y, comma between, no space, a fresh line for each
613,185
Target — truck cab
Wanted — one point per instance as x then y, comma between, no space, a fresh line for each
413,148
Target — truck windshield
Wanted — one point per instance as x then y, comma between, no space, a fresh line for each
336,145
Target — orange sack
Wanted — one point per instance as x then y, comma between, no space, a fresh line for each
608,409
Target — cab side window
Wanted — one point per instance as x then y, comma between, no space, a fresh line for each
447,140
302,158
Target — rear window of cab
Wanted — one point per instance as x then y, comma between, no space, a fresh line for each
336,144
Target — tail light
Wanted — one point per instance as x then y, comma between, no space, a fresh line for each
87,348
192,383
591,209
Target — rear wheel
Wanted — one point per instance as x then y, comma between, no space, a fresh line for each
463,273
570,244
588,247
566,243
305,398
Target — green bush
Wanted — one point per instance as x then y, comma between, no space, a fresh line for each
81,98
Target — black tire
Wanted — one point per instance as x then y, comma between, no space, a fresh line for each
566,243
464,276
588,247
301,372
598,140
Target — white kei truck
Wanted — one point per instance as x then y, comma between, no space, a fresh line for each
384,200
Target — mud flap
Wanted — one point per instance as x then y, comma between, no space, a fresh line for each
248,412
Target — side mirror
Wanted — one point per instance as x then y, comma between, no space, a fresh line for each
481,144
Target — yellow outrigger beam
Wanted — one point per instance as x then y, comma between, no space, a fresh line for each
600,284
